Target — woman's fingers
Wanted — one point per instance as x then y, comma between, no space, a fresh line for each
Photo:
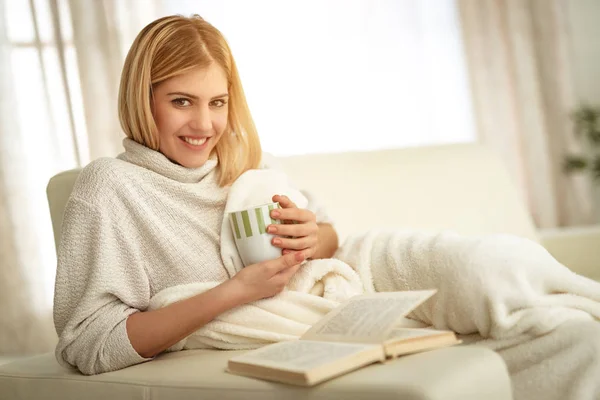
293,214
284,201
286,274
295,230
283,263
294,244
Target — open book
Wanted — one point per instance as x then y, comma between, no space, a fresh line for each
363,330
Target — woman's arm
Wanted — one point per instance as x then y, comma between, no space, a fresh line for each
152,332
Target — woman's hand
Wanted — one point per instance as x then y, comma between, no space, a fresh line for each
267,278
299,224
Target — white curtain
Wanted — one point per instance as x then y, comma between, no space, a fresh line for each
31,149
59,67
103,31
519,57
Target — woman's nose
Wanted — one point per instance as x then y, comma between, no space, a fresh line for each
201,120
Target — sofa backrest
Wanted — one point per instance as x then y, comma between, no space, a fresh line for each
462,187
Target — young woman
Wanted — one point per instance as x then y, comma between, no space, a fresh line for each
151,218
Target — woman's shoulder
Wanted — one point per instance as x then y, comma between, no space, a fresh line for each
101,179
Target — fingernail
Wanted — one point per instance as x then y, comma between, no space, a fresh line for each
276,241
271,229
299,256
275,214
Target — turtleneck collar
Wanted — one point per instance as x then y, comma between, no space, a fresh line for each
145,157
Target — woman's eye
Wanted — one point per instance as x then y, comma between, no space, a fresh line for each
181,102
219,103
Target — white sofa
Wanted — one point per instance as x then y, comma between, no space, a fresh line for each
461,187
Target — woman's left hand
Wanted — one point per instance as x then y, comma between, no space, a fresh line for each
299,224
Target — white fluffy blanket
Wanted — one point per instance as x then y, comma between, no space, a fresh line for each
503,287
507,291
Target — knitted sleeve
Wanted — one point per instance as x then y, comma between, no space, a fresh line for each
99,283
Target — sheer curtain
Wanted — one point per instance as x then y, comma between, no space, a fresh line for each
320,76
59,67
36,140
103,32
519,57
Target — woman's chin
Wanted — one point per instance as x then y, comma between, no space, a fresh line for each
188,159
197,163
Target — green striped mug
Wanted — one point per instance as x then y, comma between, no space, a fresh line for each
249,229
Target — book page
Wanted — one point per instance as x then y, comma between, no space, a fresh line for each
407,341
367,318
407,333
301,355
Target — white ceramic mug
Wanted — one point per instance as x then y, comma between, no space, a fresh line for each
249,229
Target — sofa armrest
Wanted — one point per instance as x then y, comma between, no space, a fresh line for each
577,248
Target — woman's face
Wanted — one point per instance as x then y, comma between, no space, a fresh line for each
190,111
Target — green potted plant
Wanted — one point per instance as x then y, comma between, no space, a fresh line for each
587,129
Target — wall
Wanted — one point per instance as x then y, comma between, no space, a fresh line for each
584,21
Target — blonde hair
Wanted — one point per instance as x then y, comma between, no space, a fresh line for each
171,46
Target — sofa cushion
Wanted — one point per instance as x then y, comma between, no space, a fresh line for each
461,372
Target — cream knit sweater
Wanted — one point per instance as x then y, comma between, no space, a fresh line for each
133,226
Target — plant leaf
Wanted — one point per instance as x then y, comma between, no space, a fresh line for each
594,135
586,114
586,120
574,163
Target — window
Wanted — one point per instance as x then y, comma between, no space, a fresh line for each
339,75
46,80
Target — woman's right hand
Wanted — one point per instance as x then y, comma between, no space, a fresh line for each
267,278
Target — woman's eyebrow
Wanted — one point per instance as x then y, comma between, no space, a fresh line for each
182,94
196,97
221,96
